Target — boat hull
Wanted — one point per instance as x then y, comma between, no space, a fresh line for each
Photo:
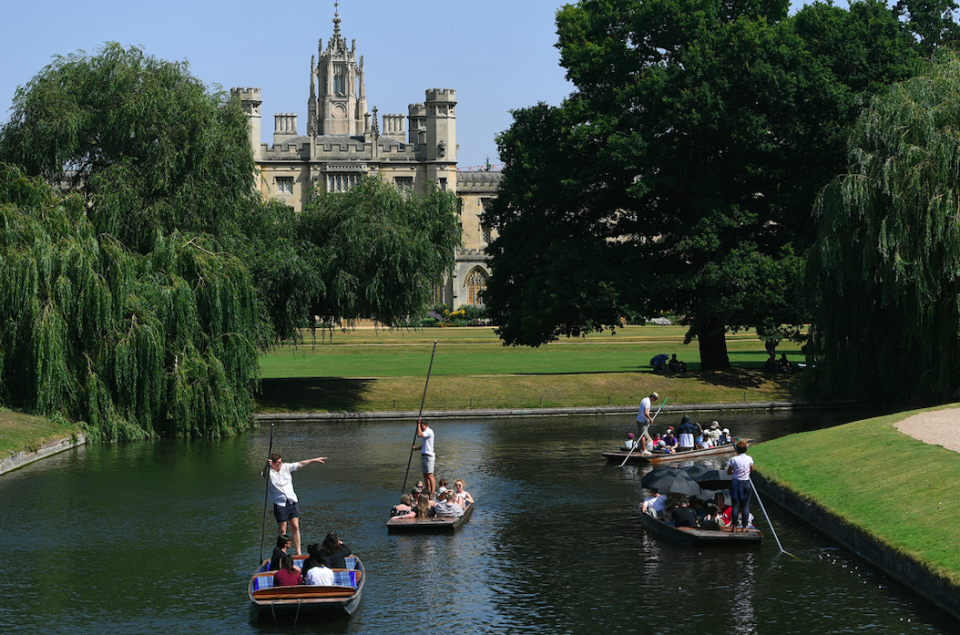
702,537
428,525
619,455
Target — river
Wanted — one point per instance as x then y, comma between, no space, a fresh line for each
162,536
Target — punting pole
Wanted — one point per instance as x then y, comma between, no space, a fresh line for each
266,494
769,522
644,432
419,416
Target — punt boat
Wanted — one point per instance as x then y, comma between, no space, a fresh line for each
306,601
657,458
436,524
702,537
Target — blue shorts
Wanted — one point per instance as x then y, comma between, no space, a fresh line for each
427,462
283,513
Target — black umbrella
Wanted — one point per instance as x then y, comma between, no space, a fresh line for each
710,478
671,480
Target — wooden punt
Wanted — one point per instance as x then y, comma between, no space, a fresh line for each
702,537
429,525
655,458
306,601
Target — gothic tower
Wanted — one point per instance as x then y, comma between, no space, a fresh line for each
338,98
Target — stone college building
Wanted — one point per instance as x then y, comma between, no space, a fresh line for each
344,141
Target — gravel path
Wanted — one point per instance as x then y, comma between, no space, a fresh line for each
940,427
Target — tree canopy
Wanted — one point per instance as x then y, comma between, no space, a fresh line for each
681,173
885,269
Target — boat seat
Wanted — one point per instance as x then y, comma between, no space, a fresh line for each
343,579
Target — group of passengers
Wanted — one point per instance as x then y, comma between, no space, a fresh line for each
317,567
693,512
688,436
446,503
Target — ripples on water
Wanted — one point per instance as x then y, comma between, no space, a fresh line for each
162,537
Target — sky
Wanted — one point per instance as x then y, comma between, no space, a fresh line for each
499,55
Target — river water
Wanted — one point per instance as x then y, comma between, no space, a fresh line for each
162,536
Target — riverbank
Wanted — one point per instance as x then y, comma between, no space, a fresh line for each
884,488
27,438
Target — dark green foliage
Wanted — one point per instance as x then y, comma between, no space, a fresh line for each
142,140
680,174
135,345
381,252
886,266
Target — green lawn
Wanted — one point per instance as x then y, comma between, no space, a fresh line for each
26,432
901,491
385,370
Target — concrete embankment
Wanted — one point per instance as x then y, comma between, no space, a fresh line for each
26,457
546,412
897,565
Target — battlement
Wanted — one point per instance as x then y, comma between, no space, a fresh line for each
441,94
246,94
417,110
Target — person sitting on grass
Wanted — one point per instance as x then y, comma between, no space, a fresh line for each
784,364
288,575
676,366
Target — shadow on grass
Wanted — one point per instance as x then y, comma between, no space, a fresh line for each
313,394
745,379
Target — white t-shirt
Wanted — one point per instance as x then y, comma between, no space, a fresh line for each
656,503
281,484
741,465
427,442
320,576
644,407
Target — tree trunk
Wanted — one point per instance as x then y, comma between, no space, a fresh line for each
713,347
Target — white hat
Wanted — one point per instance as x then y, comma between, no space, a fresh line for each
725,431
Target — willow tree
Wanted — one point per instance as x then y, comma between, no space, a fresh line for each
886,265
381,252
132,344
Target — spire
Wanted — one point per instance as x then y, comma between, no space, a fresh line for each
336,21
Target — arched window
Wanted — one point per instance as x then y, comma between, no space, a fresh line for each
476,284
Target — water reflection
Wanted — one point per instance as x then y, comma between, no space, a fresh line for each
161,537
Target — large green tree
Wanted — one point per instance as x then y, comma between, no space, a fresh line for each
886,265
134,344
681,172
380,252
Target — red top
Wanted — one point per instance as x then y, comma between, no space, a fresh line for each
285,578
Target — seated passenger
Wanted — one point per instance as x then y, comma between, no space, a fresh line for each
319,575
725,438
710,520
424,508
670,442
283,543
287,575
683,516
654,505
669,507
404,509
448,508
441,488
463,496
724,511
629,444
334,552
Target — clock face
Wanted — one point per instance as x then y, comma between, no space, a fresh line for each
339,111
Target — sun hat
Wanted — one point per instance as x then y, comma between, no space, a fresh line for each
714,425
726,431
629,435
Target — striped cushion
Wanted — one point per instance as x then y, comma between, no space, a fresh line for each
345,578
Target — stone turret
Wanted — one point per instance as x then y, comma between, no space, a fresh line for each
250,101
441,124
418,123
338,98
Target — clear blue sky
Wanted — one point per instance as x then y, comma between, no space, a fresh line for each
497,54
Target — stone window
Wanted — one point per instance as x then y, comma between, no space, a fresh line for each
404,182
341,182
485,232
476,284
284,185
443,185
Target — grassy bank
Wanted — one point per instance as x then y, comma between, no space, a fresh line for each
19,432
899,490
385,370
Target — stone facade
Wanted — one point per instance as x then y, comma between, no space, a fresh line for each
343,141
